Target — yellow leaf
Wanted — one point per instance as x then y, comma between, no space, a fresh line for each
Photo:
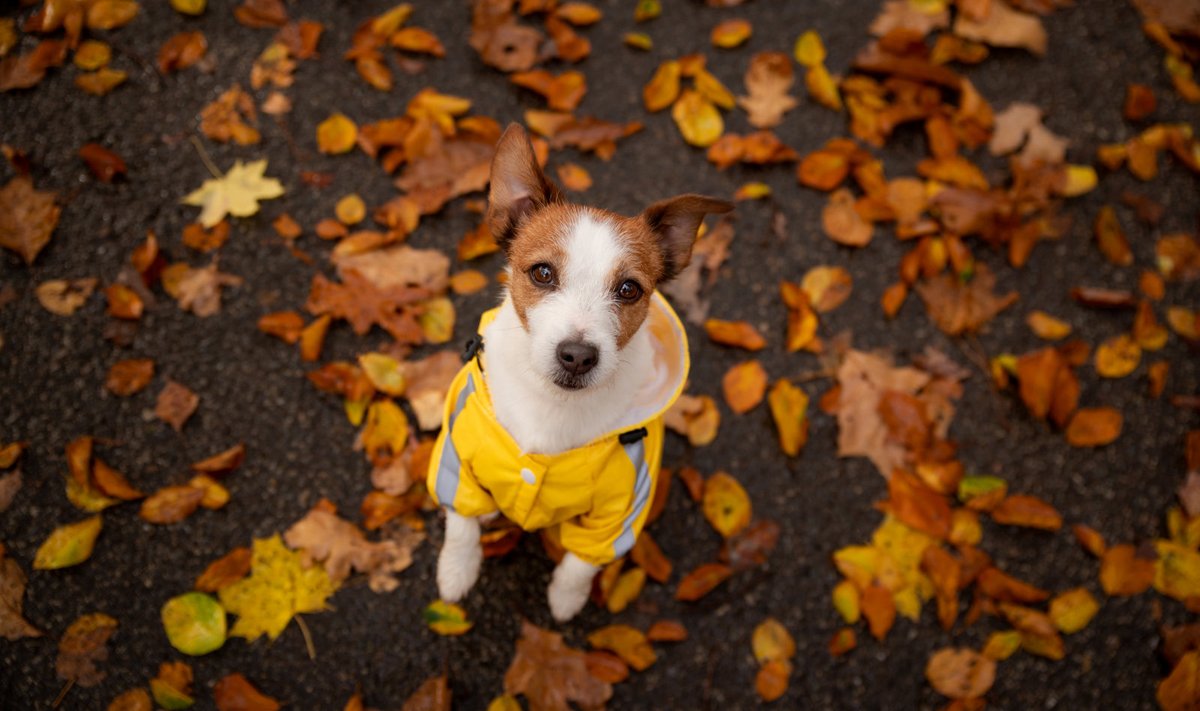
731,33
277,588
1177,570
386,428
336,134
772,642
1002,645
822,88
437,320
189,7
626,642
194,623
236,193
698,119
752,191
446,618
663,88
809,50
626,590
1078,180
726,504
384,372
846,601
68,545
789,409
1073,610
1118,356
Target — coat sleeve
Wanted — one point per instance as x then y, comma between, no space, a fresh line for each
619,508
451,480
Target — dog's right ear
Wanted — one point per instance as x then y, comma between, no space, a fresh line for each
518,186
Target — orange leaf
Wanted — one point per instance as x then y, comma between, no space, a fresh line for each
1094,427
826,287
842,223
284,325
918,506
226,570
823,169
574,177
171,504
1124,573
663,88
730,33
744,385
960,673
880,610
701,581
1028,511
127,377
739,334
1118,356
336,134
771,682
627,643
648,556
789,410
666,631
606,666
1090,539
235,693
999,585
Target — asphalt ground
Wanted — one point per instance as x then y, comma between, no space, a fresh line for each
253,389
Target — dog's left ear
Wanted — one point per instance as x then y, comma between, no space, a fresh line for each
674,222
518,185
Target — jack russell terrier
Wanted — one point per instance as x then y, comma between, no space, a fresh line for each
556,420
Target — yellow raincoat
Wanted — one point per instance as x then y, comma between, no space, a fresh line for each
594,499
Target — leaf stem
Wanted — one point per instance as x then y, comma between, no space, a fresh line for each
204,157
312,649
62,694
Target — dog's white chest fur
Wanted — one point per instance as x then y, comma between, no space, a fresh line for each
542,417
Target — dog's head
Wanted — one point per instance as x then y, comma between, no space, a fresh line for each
581,278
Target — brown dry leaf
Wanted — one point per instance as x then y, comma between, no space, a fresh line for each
960,673
957,307
552,675
175,404
879,608
737,334
226,118
768,79
111,482
418,40
1028,511
648,556
182,51
171,504
10,484
65,296
221,463
824,169
12,590
1094,427
343,548
695,417
744,386
1003,26
666,631
1178,257
1180,690
199,289
235,693
226,570
202,240
284,325
842,223
83,646
27,217
702,581
1046,326
1111,238
261,14
102,81
1123,572
23,71
103,163
124,302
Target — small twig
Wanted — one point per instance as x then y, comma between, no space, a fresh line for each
62,694
312,649
204,157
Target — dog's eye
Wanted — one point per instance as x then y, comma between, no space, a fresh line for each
629,290
542,274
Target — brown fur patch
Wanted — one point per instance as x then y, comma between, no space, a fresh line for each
542,238
642,262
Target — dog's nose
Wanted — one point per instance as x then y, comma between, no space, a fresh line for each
577,357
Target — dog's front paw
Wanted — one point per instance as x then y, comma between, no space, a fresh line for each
569,587
458,569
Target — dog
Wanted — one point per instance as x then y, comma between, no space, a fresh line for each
555,420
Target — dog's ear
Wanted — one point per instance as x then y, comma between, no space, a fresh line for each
674,223
518,185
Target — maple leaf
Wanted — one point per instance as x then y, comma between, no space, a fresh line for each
278,588
27,217
550,674
861,430
199,290
325,537
236,193
957,307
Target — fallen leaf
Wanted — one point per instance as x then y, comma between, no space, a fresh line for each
880,610
103,163
235,693
446,618
194,623
236,193
552,675
1094,427
172,688
277,588
27,217
738,334
730,33
772,642
343,548
1111,238
960,673
744,385
181,51
959,307
65,296
1047,327
768,80
12,593
68,545
228,569
1118,356
1124,573
826,287
789,410
771,682
82,647
666,631
701,581
726,504
128,377
697,118
171,504
1003,26
605,666
1180,689
1072,610
225,119
1027,511
175,404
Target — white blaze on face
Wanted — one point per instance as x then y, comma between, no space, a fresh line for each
582,307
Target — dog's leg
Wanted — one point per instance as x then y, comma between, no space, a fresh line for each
461,556
569,587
